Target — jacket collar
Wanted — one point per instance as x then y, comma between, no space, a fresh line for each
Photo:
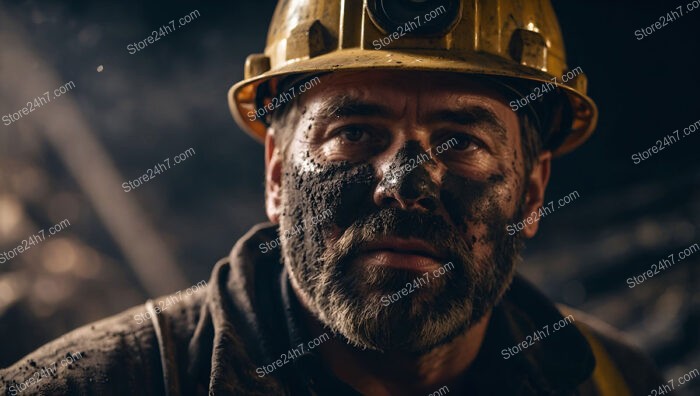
521,345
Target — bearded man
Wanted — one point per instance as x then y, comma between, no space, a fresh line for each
396,164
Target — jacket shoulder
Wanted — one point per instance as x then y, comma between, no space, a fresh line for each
619,363
115,355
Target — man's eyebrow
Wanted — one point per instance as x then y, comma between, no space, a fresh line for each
348,106
471,115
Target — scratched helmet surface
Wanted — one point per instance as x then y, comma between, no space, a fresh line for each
508,40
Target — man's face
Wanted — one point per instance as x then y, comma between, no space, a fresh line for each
390,176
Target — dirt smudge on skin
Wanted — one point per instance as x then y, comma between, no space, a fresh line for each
408,176
476,208
341,189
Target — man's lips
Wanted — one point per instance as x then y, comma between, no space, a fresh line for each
411,254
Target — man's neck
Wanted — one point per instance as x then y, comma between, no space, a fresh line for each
401,373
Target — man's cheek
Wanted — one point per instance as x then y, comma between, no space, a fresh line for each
478,240
332,196
353,190
463,199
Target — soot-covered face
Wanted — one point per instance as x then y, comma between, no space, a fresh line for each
398,188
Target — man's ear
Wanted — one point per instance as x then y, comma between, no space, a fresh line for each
534,197
273,178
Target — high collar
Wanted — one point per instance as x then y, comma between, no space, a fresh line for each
259,309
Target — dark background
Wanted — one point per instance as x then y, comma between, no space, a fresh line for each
63,161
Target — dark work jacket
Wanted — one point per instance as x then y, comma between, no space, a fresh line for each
212,342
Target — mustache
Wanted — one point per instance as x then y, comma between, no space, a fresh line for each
399,223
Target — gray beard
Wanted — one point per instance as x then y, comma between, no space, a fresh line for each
347,297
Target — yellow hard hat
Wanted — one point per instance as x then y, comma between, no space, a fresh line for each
507,40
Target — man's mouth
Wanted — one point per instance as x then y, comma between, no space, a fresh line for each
409,254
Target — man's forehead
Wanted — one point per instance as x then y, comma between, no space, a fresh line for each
388,94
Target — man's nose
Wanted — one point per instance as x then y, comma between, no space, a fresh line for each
406,182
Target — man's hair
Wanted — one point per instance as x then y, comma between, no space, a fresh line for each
280,121
530,141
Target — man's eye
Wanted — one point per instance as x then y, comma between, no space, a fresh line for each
355,142
353,134
462,143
